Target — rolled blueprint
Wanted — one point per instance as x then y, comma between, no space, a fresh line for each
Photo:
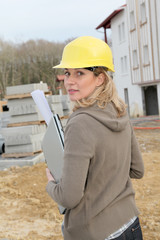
42,104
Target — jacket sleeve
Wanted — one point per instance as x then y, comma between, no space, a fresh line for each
77,154
137,166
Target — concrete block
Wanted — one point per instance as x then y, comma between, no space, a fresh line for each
67,105
57,108
4,119
55,98
65,102
26,118
55,104
1,144
20,139
25,161
22,106
26,88
26,130
25,148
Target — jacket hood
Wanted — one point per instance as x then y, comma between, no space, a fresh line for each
107,116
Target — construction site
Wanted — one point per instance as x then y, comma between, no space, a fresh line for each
27,212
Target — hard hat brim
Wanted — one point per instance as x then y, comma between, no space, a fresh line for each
63,66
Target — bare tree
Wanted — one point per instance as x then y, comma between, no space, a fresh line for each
29,62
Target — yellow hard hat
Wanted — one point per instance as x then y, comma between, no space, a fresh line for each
87,52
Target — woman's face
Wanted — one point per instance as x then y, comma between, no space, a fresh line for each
80,83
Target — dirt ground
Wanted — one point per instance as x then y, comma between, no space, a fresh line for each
27,212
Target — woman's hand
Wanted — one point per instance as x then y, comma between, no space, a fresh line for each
49,175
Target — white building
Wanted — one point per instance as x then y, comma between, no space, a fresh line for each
136,51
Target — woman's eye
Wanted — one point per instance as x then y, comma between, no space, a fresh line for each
66,74
79,73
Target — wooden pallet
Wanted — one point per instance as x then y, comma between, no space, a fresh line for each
32,122
19,155
24,95
26,123
64,117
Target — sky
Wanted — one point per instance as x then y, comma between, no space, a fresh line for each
53,20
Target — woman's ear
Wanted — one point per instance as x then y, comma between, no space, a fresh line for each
100,79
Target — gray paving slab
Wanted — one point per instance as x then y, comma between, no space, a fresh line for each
26,118
65,102
6,163
4,119
23,130
22,106
25,148
26,88
21,139
57,108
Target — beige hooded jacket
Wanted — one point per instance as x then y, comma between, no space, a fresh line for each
101,156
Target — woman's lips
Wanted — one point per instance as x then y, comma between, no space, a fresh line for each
72,91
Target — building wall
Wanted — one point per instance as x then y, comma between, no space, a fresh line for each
158,92
122,75
154,21
144,33
157,25
135,60
144,42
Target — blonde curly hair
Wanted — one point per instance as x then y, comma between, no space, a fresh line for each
103,95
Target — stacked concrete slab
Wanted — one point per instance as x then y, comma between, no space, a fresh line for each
23,139
26,88
22,108
59,104
66,104
4,119
55,104
26,127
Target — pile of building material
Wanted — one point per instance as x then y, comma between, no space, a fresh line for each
22,108
24,133
59,104
66,105
23,140
1,144
55,104
4,120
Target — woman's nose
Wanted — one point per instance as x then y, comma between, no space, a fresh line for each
71,80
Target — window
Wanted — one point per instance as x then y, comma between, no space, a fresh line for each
126,99
121,32
132,20
143,13
135,59
124,66
145,55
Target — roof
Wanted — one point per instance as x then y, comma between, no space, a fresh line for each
107,22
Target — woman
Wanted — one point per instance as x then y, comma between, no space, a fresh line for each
101,153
